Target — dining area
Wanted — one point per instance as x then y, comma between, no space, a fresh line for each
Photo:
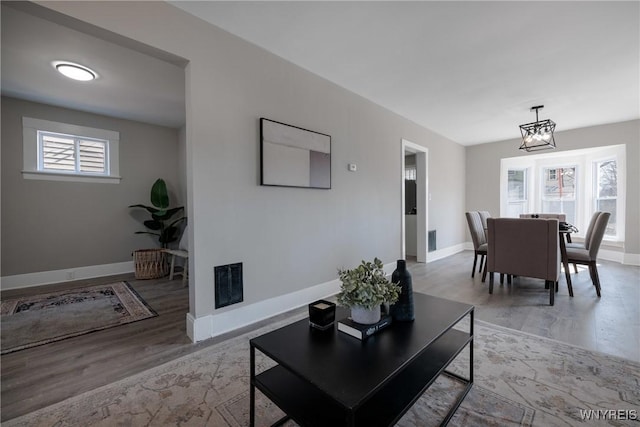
535,245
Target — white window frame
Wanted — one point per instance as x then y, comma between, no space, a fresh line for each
31,162
525,201
620,158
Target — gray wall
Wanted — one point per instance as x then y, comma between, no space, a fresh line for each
53,225
288,239
483,169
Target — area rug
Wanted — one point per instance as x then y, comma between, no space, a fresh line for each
520,380
41,319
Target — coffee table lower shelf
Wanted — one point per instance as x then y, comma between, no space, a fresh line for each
308,406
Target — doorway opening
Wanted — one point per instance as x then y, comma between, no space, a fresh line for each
415,200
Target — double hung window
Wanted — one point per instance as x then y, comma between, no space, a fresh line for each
517,192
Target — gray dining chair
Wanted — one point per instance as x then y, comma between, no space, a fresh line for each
479,239
524,247
588,233
587,236
483,217
588,255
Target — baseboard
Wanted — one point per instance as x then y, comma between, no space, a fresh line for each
445,252
56,276
611,255
631,259
212,325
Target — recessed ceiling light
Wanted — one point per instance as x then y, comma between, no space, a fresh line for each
75,71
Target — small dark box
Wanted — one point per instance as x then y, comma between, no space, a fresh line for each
322,314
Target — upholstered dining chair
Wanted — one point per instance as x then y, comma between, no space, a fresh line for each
483,217
181,252
524,247
479,239
588,233
587,236
589,254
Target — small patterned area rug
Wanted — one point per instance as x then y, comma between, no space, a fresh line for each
520,380
41,319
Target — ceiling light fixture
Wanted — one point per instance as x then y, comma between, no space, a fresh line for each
538,135
75,71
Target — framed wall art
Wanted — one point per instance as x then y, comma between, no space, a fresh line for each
294,157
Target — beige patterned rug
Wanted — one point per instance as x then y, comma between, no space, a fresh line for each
44,318
520,379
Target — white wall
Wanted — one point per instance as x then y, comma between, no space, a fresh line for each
289,240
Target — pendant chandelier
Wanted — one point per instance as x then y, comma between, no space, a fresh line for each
538,135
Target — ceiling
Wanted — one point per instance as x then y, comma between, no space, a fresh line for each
467,70
135,82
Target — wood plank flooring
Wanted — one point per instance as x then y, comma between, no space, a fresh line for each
40,376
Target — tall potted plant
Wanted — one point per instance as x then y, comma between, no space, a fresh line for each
364,289
152,263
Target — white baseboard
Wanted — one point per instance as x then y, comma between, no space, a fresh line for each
445,252
56,276
631,259
212,325
611,255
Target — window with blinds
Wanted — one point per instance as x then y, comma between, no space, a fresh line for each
72,154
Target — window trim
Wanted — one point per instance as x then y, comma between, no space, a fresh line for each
30,128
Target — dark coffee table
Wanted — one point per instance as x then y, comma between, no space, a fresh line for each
328,378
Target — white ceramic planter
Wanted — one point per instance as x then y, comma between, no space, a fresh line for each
365,316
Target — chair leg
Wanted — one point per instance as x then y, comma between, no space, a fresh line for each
491,282
475,261
575,268
484,273
552,290
595,277
501,278
509,279
173,264
481,263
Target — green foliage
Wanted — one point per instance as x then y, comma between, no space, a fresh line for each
161,223
366,286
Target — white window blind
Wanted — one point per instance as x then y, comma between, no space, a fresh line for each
72,154
66,152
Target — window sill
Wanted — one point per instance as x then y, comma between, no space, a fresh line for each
52,176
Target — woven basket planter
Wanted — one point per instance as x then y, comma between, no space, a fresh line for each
150,263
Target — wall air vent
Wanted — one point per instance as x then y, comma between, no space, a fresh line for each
228,284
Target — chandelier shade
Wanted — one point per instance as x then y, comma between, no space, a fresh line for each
538,135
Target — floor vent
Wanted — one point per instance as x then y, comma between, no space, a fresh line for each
228,284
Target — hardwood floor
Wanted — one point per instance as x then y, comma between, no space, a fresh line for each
610,324
40,376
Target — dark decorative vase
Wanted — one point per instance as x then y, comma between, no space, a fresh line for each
402,311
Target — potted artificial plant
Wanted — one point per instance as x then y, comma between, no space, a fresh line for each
152,263
364,289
